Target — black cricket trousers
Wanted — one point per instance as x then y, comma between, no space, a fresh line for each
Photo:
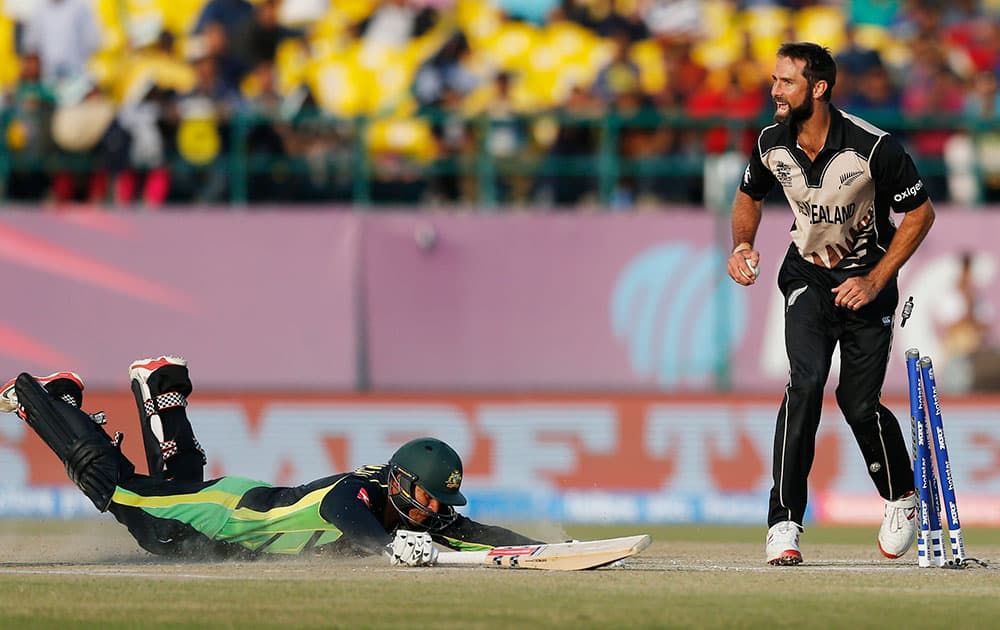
813,328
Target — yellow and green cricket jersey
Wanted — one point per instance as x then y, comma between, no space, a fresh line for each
239,516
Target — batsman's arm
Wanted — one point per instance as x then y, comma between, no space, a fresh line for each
466,534
345,506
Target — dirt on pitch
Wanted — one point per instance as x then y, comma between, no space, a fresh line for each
92,573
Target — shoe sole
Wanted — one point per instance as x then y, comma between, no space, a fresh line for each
8,397
140,370
151,365
891,556
788,558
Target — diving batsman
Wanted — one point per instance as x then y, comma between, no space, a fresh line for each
399,509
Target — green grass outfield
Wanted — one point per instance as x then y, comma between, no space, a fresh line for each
91,574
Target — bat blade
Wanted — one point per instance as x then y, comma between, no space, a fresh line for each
571,556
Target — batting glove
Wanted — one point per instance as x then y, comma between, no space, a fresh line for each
412,549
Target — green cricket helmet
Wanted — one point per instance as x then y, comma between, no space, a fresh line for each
436,468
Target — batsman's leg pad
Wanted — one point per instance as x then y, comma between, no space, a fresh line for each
161,387
150,440
92,463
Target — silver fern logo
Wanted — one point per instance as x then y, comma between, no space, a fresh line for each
848,178
794,295
676,310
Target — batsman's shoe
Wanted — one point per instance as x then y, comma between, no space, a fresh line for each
159,384
67,386
158,377
782,546
899,527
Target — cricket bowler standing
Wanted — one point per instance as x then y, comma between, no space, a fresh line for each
841,176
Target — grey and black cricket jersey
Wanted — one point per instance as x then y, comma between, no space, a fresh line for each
842,200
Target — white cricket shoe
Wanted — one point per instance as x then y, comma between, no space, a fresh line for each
782,546
67,386
140,371
899,527
8,398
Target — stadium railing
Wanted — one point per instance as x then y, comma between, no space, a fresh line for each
354,171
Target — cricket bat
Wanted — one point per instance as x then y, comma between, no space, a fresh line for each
571,556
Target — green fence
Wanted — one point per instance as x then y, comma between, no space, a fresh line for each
607,166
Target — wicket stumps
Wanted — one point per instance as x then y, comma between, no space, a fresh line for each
928,434
929,540
943,460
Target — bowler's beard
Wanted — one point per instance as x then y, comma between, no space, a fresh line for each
796,115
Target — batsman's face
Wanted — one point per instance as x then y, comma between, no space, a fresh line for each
791,92
424,499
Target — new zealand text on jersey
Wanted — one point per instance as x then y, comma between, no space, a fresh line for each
819,213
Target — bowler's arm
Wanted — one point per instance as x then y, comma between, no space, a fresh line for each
746,216
911,233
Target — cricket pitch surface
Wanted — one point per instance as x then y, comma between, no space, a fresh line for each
90,573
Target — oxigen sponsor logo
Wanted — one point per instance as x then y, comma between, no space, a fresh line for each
909,192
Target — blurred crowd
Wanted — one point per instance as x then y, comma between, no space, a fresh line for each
518,102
